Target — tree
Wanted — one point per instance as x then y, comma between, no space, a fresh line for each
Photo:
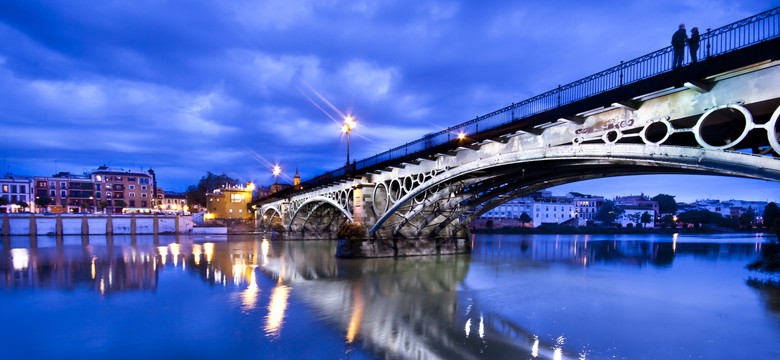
196,195
666,203
608,212
22,204
102,204
699,217
3,201
771,214
120,203
748,217
42,201
525,218
646,218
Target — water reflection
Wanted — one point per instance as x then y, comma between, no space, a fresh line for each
394,308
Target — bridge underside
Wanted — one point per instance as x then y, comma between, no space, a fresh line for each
440,208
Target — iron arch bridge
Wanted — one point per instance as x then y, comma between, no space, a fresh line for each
716,118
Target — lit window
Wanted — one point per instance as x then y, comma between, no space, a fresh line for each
5,188
236,198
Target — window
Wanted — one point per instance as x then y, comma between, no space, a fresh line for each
132,187
51,184
63,186
5,188
143,187
143,181
132,194
22,197
108,186
22,189
119,178
63,193
132,203
131,179
52,193
99,178
236,198
97,186
143,195
14,189
108,194
97,194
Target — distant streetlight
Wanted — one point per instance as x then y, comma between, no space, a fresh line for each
461,135
277,171
349,124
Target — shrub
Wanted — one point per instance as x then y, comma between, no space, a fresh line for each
352,231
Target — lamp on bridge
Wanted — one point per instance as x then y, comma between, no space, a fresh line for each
277,170
349,124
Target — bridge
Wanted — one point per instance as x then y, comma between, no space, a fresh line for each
717,116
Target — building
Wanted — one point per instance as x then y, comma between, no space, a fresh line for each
15,191
117,189
229,202
585,207
171,202
634,207
553,209
66,193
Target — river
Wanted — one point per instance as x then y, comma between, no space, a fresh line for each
514,297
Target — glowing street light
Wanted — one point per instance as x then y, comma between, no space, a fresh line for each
461,135
349,124
277,171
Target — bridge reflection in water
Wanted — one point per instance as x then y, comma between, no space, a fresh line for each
393,307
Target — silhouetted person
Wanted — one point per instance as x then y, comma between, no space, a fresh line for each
678,45
693,44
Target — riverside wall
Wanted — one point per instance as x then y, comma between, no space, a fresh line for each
93,224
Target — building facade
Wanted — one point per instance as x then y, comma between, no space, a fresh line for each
15,191
229,202
117,189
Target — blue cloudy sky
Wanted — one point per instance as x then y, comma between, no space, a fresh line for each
186,87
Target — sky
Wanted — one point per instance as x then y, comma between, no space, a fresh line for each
235,87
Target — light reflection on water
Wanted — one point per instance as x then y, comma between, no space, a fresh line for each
546,297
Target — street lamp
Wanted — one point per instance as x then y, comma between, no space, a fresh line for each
277,171
349,124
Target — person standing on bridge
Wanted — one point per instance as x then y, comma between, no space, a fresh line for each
693,44
679,39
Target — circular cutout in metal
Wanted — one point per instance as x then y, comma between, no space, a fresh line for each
723,127
772,131
657,132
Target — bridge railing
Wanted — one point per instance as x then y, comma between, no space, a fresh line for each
755,29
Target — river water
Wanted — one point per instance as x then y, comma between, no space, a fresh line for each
514,297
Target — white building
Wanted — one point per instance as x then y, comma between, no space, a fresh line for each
17,190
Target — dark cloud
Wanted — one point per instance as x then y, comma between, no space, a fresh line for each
187,88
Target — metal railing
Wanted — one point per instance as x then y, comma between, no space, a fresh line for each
750,31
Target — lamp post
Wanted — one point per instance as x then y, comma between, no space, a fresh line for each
349,124
277,171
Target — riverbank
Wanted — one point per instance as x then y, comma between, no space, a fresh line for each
557,229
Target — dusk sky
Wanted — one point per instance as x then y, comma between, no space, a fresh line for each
186,87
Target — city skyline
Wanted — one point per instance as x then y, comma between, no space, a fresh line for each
238,87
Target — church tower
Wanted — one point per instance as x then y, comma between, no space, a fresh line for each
296,180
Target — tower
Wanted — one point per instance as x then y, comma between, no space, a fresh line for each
296,180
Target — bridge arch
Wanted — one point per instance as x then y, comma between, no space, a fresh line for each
456,193
327,212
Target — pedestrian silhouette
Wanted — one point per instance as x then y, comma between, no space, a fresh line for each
693,44
679,39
